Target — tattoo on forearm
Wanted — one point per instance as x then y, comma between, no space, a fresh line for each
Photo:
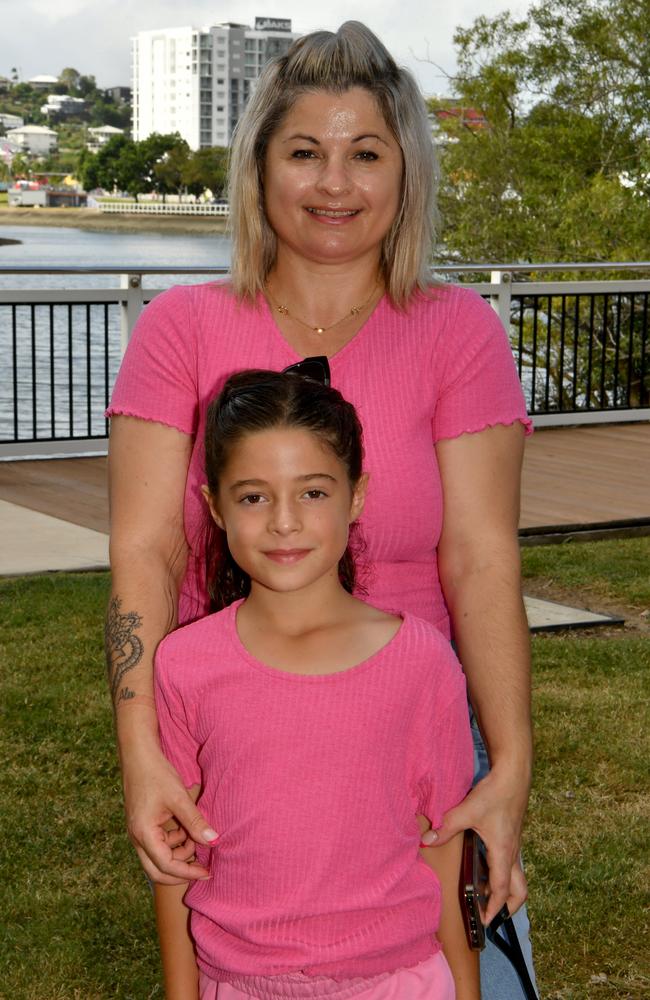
124,648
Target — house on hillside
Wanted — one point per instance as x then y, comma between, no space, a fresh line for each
43,82
60,105
99,136
37,140
121,95
11,121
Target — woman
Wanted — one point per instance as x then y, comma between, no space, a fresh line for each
332,204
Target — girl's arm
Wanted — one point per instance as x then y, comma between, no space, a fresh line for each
463,962
180,971
148,465
479,567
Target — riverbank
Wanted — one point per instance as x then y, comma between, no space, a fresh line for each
95,221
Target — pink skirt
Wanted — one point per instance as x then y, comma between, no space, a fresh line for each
430,980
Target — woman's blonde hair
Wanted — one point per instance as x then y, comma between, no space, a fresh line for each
324,60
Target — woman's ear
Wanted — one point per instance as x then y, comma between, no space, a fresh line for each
211,502
358,497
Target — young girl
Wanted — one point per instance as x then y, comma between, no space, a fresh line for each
315,730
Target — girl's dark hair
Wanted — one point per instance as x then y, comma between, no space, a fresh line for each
259,400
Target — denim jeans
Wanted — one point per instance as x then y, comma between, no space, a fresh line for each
499,981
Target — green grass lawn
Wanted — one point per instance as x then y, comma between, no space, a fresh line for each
77,915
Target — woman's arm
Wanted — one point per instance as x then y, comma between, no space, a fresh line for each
148,465
479,565
463,962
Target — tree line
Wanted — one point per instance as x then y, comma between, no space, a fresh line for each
161,163
545,156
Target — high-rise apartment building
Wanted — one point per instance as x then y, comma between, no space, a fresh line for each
196,81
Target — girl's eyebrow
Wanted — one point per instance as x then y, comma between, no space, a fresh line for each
262,482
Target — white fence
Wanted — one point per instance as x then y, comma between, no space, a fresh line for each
163,208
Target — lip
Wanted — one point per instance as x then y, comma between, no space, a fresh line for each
332,216
286,557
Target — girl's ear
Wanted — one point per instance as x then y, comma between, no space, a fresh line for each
358,497
216,516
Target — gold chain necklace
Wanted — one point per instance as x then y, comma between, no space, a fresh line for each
354,311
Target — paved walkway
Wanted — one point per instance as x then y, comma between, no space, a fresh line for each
32,542
54,514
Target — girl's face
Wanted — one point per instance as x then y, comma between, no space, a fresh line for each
286,503
333,178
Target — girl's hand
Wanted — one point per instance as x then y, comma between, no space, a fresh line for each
495,808
153,795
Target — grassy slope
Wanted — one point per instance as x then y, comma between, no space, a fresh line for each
78,911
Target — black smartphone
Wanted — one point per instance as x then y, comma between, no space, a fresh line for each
473,889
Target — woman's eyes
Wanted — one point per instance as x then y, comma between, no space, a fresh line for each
365,155
315,494
251,499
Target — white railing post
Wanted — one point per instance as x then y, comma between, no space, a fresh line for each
501,301
131,305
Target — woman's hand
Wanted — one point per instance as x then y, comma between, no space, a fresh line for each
154,794
495,808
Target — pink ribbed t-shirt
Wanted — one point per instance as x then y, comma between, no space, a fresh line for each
440,369
294,771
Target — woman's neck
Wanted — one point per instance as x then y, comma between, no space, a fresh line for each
322,293
320,308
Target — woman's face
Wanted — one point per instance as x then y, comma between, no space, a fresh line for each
332,178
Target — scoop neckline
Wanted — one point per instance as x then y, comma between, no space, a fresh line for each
263,303
287,675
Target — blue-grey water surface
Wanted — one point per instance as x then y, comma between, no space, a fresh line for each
50,357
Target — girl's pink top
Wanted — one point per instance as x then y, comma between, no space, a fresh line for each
314,784
440,369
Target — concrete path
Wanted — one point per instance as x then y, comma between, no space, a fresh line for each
32,542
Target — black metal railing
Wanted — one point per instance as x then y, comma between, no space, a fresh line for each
582,347
582,353
63,361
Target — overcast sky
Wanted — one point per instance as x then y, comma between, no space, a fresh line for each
44,36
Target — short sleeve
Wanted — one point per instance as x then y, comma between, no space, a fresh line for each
158,378
178,744
447,761
479,385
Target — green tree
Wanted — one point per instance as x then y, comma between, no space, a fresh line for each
545,153
559,168
126,165
69,78
169,170
206,169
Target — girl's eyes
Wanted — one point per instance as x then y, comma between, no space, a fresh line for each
254,499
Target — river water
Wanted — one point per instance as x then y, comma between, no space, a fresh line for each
57,366
45,246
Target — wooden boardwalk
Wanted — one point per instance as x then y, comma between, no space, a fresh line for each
572,476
